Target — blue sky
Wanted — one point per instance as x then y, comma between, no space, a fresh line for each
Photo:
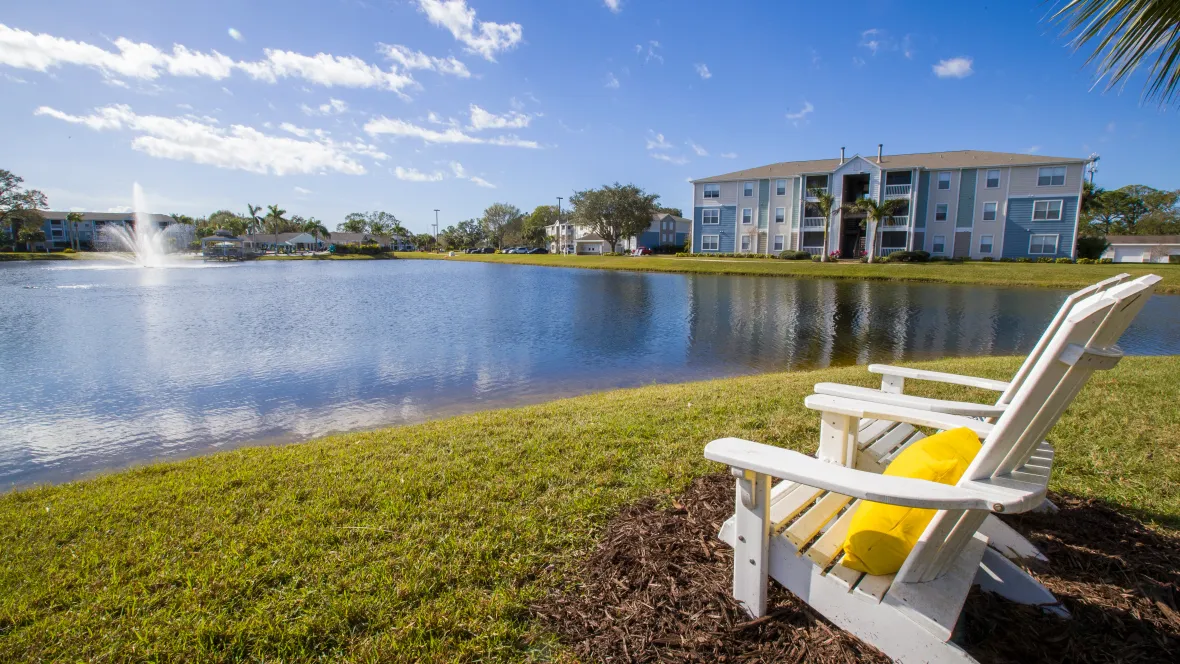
337,106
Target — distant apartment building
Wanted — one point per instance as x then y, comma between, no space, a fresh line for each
665,230
961,204
59,231
1143,248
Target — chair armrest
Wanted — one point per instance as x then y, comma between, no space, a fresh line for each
963,408
809,471
939,377
864,409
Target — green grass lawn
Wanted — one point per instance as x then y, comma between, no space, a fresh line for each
427,542
1050,275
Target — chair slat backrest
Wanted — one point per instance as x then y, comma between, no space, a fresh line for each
1094,323
1051,330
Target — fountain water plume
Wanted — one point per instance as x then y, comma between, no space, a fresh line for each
146,241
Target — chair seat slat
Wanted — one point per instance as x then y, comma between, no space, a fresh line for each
831,543
792,504
810,522
873,588
845,576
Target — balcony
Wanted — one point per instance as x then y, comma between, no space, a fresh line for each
885,251
814,251
811,193
897,190
813,222
896,221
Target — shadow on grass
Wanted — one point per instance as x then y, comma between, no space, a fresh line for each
657,588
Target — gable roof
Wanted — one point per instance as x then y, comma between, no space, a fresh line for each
104,216
924,160
1143,239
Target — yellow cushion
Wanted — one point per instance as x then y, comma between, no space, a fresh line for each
880,536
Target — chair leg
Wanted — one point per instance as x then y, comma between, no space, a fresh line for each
751,551
1009,542
999,575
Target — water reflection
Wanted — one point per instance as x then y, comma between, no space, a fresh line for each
107,367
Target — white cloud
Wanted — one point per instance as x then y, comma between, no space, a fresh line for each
237,36
236,147
871,39
462,174
118,209
703,71
411,59
801,115
656,141
652,51
1032,149
483,37
301,191
481,119
728,155
700,151
481,182
611,81
452,135
954,68
615,6
43,52
292,129
414,175
907,47
679,161
857,61
331,107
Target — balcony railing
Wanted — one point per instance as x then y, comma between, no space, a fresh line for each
811,193
896,221
885,251
897,190
814,251
813,222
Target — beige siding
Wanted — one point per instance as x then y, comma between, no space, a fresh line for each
1024,182
729,195
992,228
776,201
951,198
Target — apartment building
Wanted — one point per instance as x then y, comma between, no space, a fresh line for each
664,230
961,204
59,231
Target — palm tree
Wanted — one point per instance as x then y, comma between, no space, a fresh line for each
876,214
316,229
72,220
255,220
1125,34
824,202
398,232
274,218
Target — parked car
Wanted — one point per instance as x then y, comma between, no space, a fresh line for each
538,250
641,251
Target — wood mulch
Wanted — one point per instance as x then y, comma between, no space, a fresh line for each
657,589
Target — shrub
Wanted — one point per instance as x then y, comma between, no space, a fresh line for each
1044,259
987,259
365,249
938,259
1105,261
1063,260
1174,258
1005,259
815,259
1091,247
1024,259
614,253
835,255
682,254
68,250
918,256
1086,261
791,255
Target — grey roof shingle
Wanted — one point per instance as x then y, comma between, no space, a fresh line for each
1143,239
926,160
103,216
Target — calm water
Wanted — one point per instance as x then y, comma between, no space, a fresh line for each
105,365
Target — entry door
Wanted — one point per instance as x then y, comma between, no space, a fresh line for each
962,245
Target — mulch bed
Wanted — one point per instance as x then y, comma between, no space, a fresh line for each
657,589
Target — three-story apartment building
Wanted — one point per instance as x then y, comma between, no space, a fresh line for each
962,204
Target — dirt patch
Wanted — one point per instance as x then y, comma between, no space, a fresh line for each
657,589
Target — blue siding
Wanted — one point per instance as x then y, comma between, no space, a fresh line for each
923,199
680,238
727,229
763,204
1018,226
649,239
966,215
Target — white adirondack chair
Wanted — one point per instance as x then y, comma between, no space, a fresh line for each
794,532
881,440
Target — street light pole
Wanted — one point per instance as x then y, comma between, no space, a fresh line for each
560,247
436,228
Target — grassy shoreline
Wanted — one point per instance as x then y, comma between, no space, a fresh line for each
331,257
428,542
1045,275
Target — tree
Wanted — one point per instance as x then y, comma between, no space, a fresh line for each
751,231
824,202
73,219
1125,33
614,212
424,242
676,212
877,214
14,200
255,220
316,228
30,234
353,223
274,221
230,221
532,228
496,220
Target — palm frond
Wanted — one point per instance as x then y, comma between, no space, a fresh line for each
1125,34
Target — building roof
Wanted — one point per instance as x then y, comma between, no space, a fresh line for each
104,216
924,160
664,215
342,237
1143,239
590,237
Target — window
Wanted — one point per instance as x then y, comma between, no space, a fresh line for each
710,216
1047,211
57,232
712,191
940,211
944,180
778,243
710,242
780,187
939,244
985,244
993,179
1051,176
748,189
747,215
745,243
1042,244
780,215
989,211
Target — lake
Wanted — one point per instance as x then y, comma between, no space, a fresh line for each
107,365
